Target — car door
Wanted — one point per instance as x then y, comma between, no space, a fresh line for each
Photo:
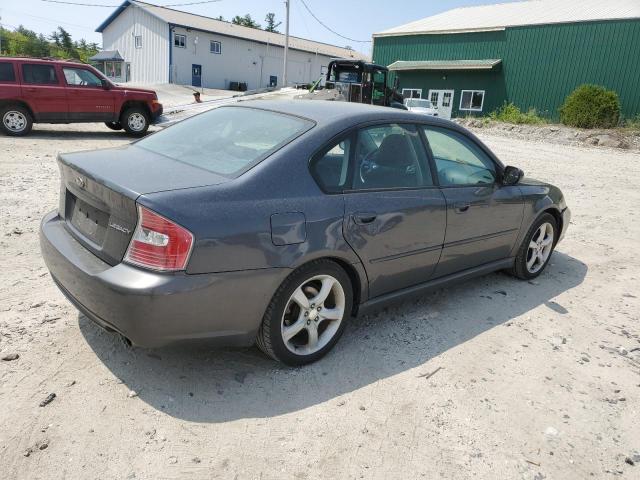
483,216
43,89
87,99
394,214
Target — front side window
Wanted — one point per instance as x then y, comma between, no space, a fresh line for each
39,74
472,100
79,77
390,156
227,140
215,47
6,72
180,41
138,41
459,161
331,167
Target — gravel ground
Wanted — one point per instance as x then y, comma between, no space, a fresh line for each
494,378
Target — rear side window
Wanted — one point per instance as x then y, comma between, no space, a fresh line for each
6,72
331,167
390,156
39,74
228,140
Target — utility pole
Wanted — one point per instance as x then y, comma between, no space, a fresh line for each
286,45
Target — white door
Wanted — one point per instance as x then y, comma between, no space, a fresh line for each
443,99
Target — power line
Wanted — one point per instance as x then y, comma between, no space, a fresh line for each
329,28
81,4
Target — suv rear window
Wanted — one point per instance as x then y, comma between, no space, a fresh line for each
228,140
6,72
41,74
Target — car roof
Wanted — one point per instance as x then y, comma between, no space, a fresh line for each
44,60
325,112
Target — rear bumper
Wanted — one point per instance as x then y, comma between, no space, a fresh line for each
153,309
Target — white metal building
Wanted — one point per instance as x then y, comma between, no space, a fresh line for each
162,45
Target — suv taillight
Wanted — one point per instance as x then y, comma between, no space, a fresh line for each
158,243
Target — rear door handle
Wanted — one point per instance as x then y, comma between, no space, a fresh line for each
461,207
364,218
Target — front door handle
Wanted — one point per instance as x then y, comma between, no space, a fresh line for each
462,207
364,218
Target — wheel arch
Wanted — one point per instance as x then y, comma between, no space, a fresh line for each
134,103
557,215
21,103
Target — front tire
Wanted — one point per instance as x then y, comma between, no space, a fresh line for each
307,314
135,121
16,120
536,249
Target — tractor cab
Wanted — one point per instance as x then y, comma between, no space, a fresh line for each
361,82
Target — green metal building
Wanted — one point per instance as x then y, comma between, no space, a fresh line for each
471,60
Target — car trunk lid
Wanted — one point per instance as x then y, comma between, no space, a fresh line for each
99,189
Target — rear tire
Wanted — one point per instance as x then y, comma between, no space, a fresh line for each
135,121
114,125
16,120
307,314
536,249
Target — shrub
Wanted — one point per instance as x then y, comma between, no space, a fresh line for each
510,113
633,123
591,106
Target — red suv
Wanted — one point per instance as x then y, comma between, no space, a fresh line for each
58,91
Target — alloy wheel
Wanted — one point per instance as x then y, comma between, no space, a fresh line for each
540,247
313,315
136,122
14,121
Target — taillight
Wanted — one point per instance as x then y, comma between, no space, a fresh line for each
158,243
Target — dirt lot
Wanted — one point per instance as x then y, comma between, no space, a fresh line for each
532,380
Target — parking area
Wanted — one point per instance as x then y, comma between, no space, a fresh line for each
493,378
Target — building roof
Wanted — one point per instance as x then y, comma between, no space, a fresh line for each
488,64
106,56
208,24
533,12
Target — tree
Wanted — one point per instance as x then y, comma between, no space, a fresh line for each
245,21
25,42
348,47
271,23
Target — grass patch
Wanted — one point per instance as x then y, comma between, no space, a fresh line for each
509,113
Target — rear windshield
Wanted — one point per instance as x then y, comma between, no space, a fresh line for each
227,140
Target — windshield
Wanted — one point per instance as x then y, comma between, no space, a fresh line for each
418,102
227,140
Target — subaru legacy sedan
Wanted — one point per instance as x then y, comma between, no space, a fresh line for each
276,222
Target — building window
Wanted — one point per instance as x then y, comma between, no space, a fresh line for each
180,41
137,40
411,93
215,47
472,100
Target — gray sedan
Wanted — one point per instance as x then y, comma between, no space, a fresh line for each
276,222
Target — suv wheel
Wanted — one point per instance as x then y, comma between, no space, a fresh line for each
307,315
114,125
135,121
16,120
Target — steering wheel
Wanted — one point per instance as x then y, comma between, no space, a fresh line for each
367,165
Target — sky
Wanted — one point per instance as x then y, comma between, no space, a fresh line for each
356,19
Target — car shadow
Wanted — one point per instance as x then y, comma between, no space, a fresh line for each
205,385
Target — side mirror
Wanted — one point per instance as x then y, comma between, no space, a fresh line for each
105,84
511,175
